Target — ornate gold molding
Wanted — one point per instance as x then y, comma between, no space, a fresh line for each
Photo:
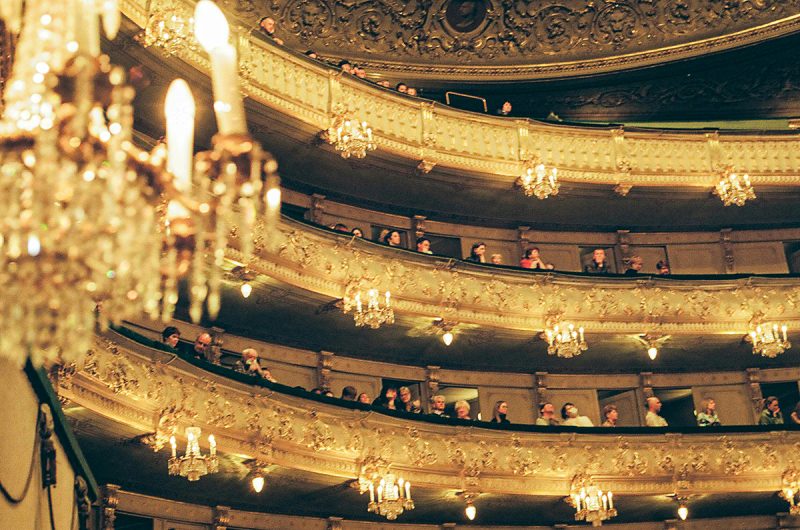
327,263
492,147
323,438
503,39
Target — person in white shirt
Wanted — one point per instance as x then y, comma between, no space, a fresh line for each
653,418
571,417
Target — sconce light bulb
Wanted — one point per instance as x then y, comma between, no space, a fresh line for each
471,511
258,482
447,338
246,289
683,512
652,351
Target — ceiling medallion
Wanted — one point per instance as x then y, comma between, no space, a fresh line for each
193,464
372,310
352,138
768,342
538,180
733,188
591,503
390,498
564,340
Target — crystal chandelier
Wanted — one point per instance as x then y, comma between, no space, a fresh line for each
193,464
81,241
564,341
372,311
733,188
349,136
537,180
768,342
790,490
591,504
390,498
170,26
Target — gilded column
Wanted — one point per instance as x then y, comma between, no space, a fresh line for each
110,501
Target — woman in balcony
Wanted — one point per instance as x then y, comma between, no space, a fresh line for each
392,238
477,253
500,412
532,260
387,400
462,410
707,415
571,418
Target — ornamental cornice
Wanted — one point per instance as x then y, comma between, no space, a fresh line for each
330,264
490,150
505,39
324,438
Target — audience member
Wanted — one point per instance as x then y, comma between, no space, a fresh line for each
340,227
610,416
268,25
477,253
532,260
407,403
497,259
771,415
424,245
384,83
349,393
662,267
345,66
598,265
569,413
547,414
500,413
363,397
357,232
387,400
311,54
634,266
170,336
252,366
412,91
201,345
462,410
359,72
707,415
392,238
402,88
795,415
437,406
505,109
653,419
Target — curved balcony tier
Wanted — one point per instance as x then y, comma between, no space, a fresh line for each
334,265
436,160
327,444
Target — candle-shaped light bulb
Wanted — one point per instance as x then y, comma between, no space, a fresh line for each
408,490
174,445
610,501
371,492
784,329
580,331
210,25
179,110
212,444
388,298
